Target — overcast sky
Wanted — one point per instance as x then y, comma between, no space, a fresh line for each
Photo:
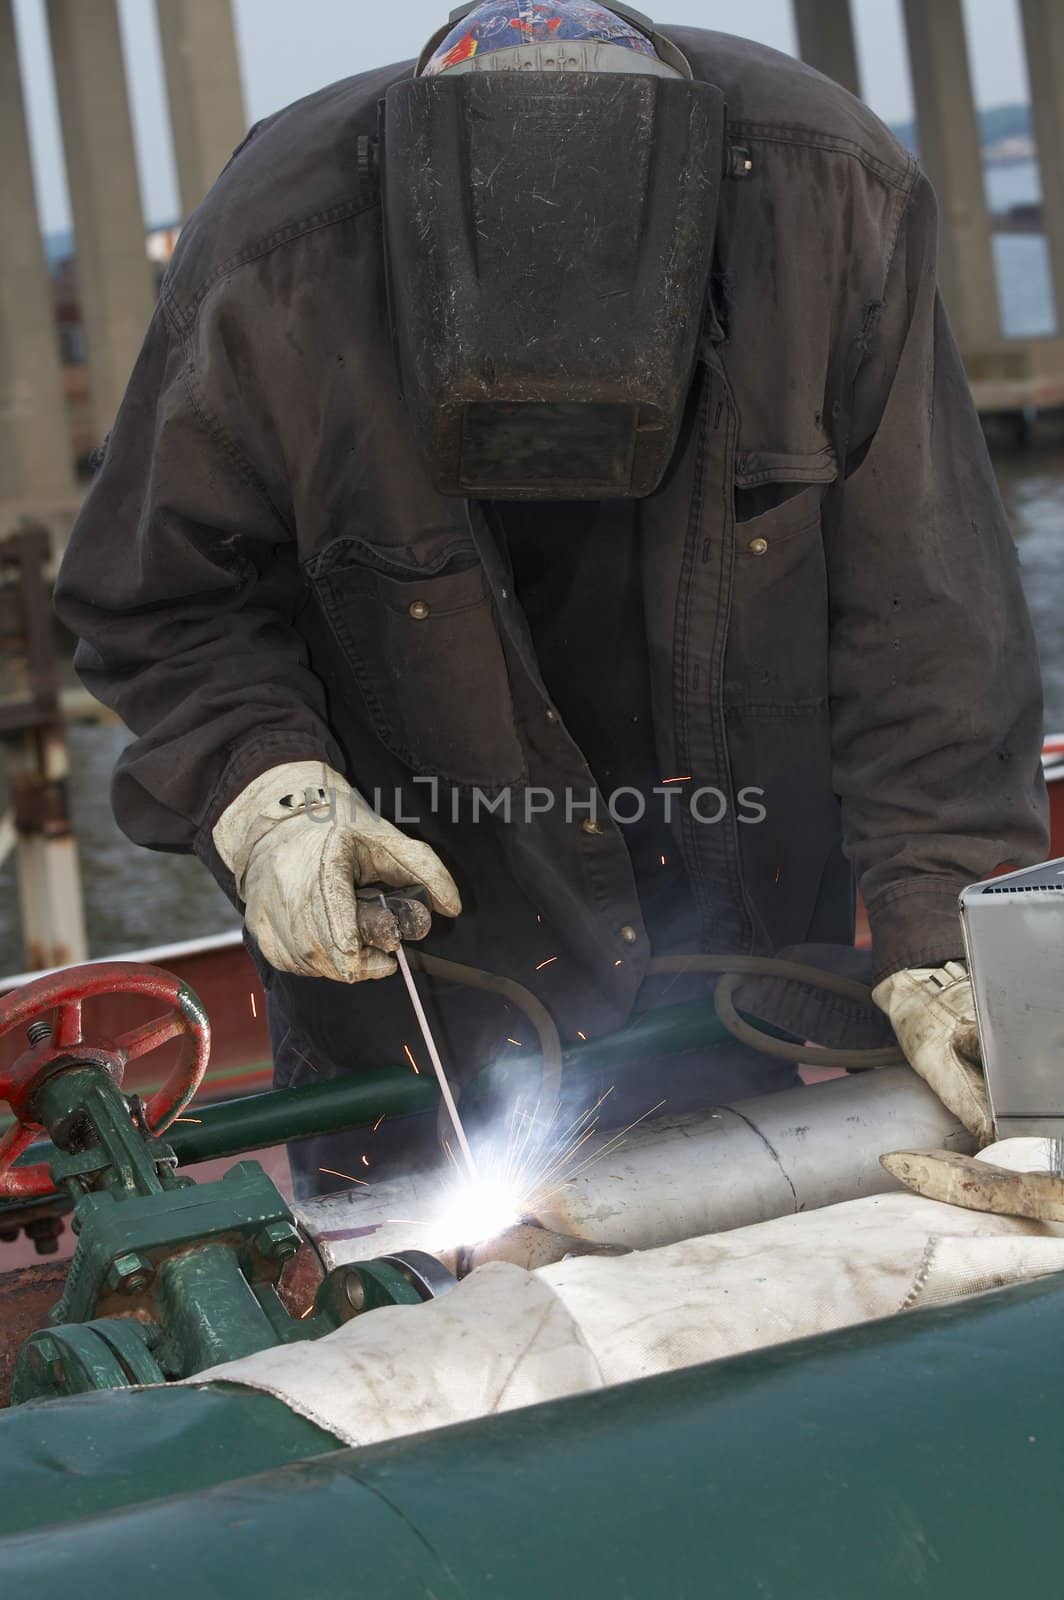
290,47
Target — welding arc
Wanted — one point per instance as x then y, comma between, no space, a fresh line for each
434,1056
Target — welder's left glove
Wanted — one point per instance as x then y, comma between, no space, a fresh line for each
933,1015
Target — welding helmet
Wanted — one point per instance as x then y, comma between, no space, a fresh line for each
550,178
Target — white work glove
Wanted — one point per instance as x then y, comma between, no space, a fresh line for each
933,1015
299,840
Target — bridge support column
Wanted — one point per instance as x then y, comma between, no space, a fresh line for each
1043,30
114,274
204,90
951,152
35,451
826,41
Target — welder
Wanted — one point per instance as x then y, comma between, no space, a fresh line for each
549,479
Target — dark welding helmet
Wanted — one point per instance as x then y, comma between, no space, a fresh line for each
550,178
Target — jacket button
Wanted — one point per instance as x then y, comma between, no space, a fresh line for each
758,547
591,826
629,935
419,610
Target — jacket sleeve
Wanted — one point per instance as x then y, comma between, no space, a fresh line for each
181,584
935,685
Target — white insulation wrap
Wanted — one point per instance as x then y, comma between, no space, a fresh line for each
676,1177
506,1337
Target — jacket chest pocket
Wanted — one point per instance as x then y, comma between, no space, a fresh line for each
777,653
425,651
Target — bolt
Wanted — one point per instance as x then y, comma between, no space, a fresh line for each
355,1292
39,1031
42,1358
277,1241
129,1274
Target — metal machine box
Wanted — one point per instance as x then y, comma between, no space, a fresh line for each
1014,936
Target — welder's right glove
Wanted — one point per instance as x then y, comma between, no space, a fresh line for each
299,841
933,1015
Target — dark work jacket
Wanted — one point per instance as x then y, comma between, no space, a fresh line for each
832,597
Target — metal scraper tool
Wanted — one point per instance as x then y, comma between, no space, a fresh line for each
434,1054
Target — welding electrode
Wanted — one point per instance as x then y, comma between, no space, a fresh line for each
398,917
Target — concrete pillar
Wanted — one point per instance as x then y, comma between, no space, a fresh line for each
35,450
204,89
1043,31
114,274
826,42
950,149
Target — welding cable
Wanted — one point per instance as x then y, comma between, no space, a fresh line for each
550,1044
734,968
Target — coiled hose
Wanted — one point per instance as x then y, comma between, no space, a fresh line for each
731,970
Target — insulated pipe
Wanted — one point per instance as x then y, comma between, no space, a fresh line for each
680,1177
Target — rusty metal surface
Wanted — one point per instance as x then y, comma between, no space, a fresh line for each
26,1296
299,1282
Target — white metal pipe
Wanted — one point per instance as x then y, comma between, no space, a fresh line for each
680,1177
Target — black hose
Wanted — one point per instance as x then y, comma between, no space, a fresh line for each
734,968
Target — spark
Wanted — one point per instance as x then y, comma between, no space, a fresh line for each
548,963
365,1161
677,780
334,1174
663,861
378,1122
618,963
517,1042
251,997
518,1171
580,1035
410,1058
188,1119
303,1315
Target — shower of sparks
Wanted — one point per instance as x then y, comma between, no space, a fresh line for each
346,1175
548,963
251,997
410,1057
517,1174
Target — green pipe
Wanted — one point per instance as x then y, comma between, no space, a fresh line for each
62,1460
917,1457
257,1122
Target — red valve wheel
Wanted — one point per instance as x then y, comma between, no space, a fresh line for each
64,993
